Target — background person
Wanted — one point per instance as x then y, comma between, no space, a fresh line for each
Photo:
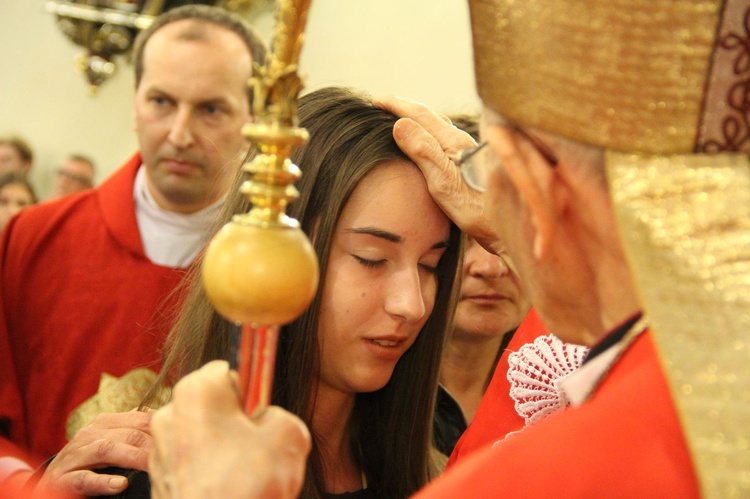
75,174
118,252
491,305
16,193
15,155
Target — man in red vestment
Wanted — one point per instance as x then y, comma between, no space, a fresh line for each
89,282
557,110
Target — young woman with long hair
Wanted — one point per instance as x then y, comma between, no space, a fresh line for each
360,366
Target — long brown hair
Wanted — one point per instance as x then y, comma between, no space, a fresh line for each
391,427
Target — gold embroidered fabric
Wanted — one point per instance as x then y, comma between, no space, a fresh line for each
628,75
666,78
114,395
685,222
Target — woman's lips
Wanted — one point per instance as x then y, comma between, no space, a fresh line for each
484,298
386,347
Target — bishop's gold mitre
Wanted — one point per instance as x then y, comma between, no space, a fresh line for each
664,87
651,76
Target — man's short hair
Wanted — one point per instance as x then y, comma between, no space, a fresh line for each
201,13
82,158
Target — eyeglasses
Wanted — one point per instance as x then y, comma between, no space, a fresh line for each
473,173
470,171
74,177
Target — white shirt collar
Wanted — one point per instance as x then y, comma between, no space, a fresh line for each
170,239
578,386
581,384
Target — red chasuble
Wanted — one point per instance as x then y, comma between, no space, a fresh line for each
79,297
625,441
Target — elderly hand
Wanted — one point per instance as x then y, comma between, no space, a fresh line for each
432,142
116,439
205,446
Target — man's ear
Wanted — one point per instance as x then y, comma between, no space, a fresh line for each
532,178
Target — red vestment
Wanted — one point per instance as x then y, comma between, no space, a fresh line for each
79,298
625,441
496,415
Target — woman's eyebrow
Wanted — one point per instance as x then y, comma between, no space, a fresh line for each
372,231
389,236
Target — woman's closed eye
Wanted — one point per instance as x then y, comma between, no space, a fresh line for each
369,263
431,260
429,267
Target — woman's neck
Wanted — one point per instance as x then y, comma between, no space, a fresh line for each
467,367
331,424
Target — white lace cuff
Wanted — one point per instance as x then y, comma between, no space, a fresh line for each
535,372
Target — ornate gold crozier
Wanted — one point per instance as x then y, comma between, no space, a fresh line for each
260,269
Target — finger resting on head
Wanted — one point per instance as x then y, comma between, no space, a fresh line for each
408,108
421,147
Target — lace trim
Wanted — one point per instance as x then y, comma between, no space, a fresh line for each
535,372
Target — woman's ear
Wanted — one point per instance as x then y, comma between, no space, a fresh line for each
533,179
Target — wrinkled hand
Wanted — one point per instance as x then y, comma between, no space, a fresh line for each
115,439
205,446
432,142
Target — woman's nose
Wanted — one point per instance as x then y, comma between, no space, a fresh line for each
481,263
404,296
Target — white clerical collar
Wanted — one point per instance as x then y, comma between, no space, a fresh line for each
581,384
170,239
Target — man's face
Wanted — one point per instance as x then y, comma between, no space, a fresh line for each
508,211
13,199
381,282
11,161
559,282
189,109
74,175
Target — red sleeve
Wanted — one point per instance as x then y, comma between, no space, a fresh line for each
625,441
11,409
